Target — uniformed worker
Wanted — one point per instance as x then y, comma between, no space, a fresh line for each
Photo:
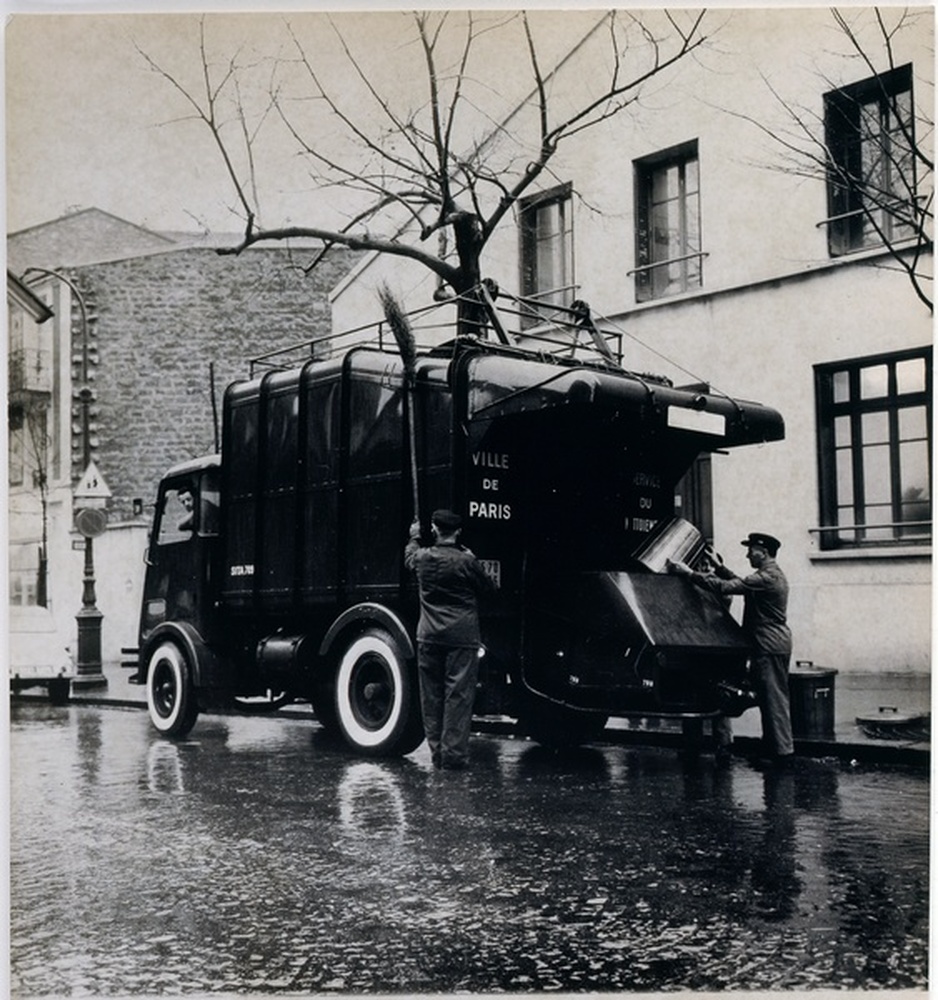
765,594
451,581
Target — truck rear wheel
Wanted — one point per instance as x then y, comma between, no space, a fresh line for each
376,698
171,699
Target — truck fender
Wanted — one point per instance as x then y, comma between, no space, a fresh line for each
203,660
368,613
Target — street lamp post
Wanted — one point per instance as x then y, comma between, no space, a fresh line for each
90,517
91,521
88,667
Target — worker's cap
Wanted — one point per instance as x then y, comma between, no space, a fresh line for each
446,520
768,542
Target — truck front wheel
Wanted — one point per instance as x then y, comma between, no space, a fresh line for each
171,699
376,699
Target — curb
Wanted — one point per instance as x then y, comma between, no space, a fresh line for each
916,755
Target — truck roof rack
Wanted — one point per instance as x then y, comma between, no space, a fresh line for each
542,329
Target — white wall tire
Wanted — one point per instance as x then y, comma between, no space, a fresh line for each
377,708
171,700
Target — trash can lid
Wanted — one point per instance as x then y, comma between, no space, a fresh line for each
809,670
890,717
891,724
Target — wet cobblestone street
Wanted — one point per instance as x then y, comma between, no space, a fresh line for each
256,857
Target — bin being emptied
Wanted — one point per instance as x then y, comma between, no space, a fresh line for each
811,694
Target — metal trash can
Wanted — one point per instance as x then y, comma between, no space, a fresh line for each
811,696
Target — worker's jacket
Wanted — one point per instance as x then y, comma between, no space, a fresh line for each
451,581
766,603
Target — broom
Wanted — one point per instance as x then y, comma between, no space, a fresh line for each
407,346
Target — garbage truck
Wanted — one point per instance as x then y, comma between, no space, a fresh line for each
275,567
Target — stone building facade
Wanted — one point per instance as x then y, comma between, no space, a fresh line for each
153,327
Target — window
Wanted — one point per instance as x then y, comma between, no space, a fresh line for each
667,234
16,459
547,250
26,566
869,131
874,426
30,354
178,515
189,506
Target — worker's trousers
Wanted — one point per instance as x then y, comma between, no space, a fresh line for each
448,676
770,679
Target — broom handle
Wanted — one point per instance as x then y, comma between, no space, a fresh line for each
412,435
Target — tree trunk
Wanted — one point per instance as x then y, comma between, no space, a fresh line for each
471,317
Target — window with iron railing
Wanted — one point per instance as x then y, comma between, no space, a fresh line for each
871,188
874,449
668,250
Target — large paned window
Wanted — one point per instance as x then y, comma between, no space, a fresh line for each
874,424
869,128
547,270
668,252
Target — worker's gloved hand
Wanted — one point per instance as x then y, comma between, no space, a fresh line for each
679,568
415,531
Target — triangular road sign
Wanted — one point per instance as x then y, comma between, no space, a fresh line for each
92,486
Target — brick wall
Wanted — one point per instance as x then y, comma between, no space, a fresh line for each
156,323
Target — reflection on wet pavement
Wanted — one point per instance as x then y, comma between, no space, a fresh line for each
256,856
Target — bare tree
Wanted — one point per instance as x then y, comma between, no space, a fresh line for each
434,172
870,146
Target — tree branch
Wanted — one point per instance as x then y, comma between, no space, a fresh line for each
354,241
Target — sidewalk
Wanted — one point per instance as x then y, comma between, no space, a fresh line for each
892,697
889,697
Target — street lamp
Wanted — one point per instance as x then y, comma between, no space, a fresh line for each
89,498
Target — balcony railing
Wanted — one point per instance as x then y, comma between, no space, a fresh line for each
644,268
871,536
